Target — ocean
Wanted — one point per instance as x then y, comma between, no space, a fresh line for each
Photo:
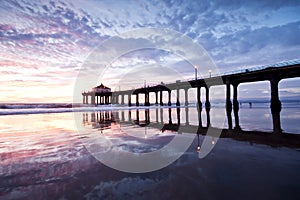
65,151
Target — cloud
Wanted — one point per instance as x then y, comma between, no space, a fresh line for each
59,35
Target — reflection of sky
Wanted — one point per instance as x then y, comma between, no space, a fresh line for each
290,119
52,163
20,138
44,43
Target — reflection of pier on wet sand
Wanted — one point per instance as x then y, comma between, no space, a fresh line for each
142,118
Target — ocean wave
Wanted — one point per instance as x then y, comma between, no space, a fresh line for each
23,109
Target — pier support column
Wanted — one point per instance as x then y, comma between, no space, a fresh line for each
137,103
207,102
228,101
275,102
107,99
93,99
122,99
199,103
177,101
114,98
117,99
156,98
147,100
83,99
161,98
236,106
129,99
86,99
275,105
186,97
228,105
169,98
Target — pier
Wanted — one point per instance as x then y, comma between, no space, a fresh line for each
272,73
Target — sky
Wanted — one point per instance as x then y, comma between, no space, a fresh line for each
44,44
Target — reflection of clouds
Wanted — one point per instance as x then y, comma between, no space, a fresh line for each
128,188
115,141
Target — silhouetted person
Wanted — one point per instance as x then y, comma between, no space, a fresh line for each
250,104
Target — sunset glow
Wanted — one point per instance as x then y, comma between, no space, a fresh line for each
43,44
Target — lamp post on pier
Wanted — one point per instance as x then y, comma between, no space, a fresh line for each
209,71
196,71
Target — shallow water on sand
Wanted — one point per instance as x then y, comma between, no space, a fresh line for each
44,156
